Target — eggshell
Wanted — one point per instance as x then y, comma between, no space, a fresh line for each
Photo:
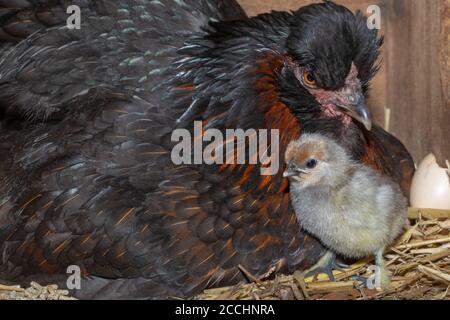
431,185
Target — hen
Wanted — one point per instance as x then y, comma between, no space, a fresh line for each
86,176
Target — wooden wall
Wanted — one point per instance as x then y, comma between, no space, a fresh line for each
410,95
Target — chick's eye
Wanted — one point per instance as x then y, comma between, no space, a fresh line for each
311,164
309,79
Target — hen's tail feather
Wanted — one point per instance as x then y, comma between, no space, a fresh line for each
389,155
138,62
21,18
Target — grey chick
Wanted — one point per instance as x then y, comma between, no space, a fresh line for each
352,209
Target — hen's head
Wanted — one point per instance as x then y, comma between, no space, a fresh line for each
332,57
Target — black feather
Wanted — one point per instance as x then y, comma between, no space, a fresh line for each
90,181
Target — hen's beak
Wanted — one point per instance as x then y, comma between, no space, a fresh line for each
357,109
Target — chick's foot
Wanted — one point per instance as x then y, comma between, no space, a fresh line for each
326,265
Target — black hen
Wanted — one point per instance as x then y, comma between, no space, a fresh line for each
87,117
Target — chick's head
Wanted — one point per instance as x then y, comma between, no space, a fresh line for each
315,159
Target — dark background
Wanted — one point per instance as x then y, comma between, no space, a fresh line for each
410,96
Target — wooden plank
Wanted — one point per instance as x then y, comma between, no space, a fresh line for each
416,213
445,49
254,7
420,115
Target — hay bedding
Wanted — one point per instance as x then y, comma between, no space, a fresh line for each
34,292
419,262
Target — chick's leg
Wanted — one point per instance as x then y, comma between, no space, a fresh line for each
384,277
380,279
326,265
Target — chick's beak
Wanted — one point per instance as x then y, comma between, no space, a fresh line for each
292,170
356,108
288,173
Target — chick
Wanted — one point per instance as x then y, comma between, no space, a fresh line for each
352,209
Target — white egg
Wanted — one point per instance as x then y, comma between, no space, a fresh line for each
430,187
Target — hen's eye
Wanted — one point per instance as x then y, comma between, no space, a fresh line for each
309,79
311,164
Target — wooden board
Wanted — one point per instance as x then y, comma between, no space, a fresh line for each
415,88
254,7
